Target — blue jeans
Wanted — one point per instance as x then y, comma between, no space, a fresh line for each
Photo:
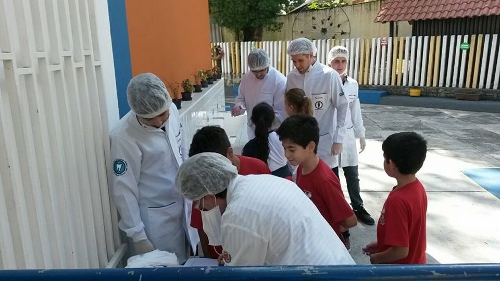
352,179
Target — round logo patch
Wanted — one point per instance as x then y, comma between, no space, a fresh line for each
119,167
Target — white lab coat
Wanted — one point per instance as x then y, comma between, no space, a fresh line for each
253,91
269,221
355,127
145,162
323,85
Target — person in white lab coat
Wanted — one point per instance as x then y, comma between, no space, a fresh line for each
324,86
338,60
146,154
258,219
262,84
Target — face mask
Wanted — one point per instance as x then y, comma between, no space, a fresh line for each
212,225
165,125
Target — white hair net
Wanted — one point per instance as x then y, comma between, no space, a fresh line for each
203,174
147,95
301,46
338,52
258,59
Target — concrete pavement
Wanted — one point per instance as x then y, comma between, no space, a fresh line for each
463,224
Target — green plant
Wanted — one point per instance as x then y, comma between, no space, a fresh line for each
187,86
174,87
209,74
327,4
215,70
202,75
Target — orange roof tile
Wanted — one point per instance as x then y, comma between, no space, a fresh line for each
405,10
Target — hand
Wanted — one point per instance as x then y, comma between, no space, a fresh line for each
220,260
143,246
362,144
236,111
336,148
371,248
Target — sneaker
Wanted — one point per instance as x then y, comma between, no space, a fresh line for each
347,244
363,216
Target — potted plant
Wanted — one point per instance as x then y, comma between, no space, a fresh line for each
176,96
197,83
217,72
210,76
188,90
203,78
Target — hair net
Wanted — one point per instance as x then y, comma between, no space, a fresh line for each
302,46
258,59
147,95
338,52
204,173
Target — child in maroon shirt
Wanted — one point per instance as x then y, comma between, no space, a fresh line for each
401,229
299,135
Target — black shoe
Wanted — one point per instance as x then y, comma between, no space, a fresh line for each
363,216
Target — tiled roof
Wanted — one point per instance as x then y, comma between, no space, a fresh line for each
412,10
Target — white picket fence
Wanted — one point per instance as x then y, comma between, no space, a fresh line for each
432,61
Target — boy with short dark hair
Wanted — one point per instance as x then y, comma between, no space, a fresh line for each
299,135
215,139
401,229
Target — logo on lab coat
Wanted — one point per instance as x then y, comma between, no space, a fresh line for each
119,167
319,100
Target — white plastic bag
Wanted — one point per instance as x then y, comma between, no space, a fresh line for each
155,258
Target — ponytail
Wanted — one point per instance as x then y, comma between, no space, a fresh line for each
301,103
262,118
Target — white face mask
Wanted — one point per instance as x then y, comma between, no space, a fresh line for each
212,225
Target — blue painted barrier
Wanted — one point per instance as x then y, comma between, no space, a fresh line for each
274,273
371,96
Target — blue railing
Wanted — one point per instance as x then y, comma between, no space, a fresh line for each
275,273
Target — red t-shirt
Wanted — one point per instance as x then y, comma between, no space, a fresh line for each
248,166
402,222
323,188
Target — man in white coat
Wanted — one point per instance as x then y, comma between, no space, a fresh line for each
146,154
258,219
324,86
338,58
262,84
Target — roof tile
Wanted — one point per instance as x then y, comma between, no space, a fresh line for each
404,10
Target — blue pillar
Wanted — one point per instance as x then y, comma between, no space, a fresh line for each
121,51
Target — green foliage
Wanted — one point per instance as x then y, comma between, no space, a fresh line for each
239,15
326,4
292,5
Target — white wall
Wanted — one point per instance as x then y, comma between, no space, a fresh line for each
57,102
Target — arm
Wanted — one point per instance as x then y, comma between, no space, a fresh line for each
340,102
180,136
239,101
204,244
349,222
389,255
279,99
339,209
357,121
244,246
124,186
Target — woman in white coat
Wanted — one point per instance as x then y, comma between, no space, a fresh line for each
338,59
263,83
258,219
146,154
323,85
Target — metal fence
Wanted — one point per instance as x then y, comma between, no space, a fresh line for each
461,61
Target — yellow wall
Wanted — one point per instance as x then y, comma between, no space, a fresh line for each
169,38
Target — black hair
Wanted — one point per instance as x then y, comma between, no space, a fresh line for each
262,118
221,194
300,129
407,150
210,139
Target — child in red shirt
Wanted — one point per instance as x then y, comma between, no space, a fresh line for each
401,228
214,139
299,135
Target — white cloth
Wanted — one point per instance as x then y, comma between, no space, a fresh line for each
324,86
152,259
270,89
145,161
269,221
276,157
355,127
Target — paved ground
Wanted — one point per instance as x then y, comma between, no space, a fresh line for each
462,217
